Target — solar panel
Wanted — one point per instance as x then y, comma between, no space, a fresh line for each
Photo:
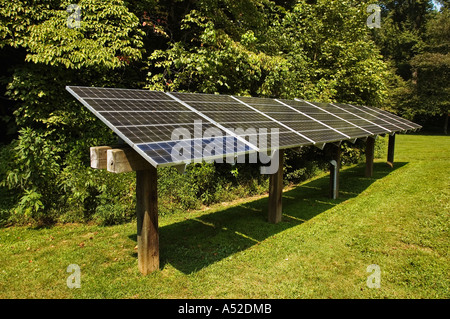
158,127
299,118
339,121
233,113
173,128
373,120
360,119
390,118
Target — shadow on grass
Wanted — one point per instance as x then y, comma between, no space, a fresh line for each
198,242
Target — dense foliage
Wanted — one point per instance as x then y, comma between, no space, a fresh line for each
318,50
414,38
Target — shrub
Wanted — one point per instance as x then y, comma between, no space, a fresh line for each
34,176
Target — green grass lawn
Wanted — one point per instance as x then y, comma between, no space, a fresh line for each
398,220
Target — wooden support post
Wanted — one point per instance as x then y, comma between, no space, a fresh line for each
147,220
276,191
124,159
370,152
391,148
334,170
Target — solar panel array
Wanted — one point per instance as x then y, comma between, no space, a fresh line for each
174,128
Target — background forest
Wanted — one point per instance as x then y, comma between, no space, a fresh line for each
317,50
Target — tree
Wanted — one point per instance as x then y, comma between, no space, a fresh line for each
414,40
431,81
214,50
331,53
319,50
401,34
45,54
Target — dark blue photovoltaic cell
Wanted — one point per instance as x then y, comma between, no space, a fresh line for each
195,149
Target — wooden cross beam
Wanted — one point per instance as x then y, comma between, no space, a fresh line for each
120,159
